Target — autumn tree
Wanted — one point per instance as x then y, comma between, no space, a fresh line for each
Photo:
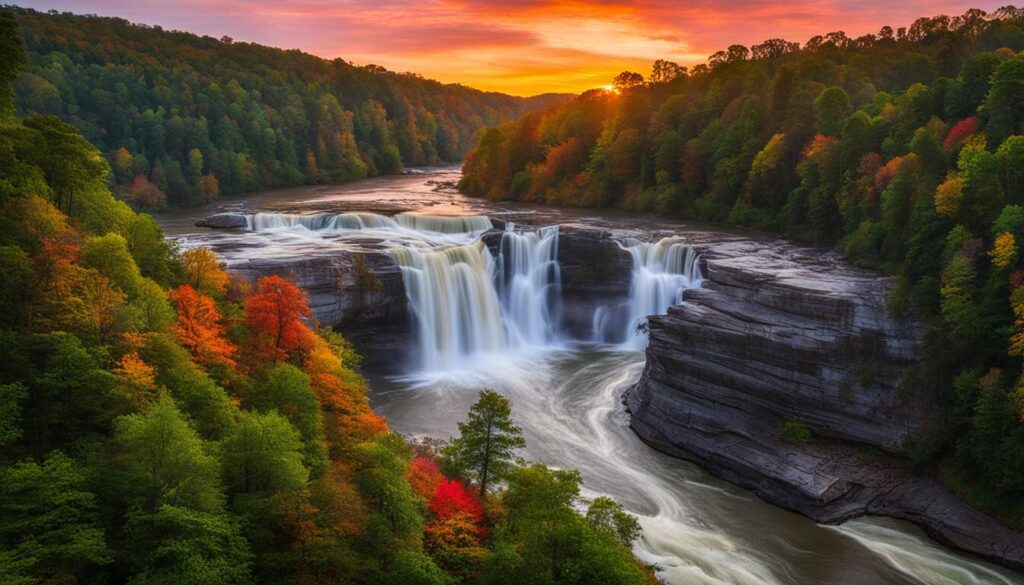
199,328
203,272
488,441
274,316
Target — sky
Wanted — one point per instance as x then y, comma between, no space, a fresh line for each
521,47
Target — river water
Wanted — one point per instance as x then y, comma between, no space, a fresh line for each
486,320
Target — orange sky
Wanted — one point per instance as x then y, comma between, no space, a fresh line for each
520,47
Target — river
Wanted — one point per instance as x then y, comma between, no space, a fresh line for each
565,393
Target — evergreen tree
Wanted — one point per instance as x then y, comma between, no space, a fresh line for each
488,441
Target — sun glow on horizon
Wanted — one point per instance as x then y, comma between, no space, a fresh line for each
511,46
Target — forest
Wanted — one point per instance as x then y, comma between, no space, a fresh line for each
183,119
165,422
903,149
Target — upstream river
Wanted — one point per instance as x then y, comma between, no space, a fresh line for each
488,322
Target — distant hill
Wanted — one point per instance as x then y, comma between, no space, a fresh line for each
186,118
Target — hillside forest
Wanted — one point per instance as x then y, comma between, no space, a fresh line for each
183,119
165,422
903,149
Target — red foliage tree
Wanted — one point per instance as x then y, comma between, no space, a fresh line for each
199,328
452,498
958,133
274,316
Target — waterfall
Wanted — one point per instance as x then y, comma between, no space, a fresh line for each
440,224
661,272
530,280
319,221
452,295
466,303
444,224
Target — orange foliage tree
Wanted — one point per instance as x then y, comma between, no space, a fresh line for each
135,381
424,477
274,317
199,328
348,418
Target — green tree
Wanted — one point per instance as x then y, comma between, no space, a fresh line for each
545,540
177,544
164,462
72,396
607,516
263,453
487,442
12,59
207,404
287,390
50,529
830,109
1004,106
12,397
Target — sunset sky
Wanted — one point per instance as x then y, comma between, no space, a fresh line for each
521,47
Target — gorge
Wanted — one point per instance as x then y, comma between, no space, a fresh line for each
542,304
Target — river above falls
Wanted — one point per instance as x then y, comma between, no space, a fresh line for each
566,393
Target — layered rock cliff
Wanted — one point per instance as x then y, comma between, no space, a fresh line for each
776,334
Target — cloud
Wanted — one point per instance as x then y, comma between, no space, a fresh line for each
517,46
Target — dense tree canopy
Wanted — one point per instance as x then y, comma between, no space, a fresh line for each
163,422
904,149
183,118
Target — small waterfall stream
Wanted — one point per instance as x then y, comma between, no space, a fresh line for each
661,272
529,279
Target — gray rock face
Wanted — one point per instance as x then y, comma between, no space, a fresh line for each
774,335
596,271
223,221
359,293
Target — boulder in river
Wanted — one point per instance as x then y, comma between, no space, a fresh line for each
223,221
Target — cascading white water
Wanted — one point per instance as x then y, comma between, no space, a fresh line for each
452,295
320,221
529,279
444,224
441,224
661,272
467,303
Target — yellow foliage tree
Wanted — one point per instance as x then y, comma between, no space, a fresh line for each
1004,251
948,196
204,273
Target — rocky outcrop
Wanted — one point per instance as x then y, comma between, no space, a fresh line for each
359,292
776,334
223,221
596,272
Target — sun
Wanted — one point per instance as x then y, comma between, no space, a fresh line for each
610,89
